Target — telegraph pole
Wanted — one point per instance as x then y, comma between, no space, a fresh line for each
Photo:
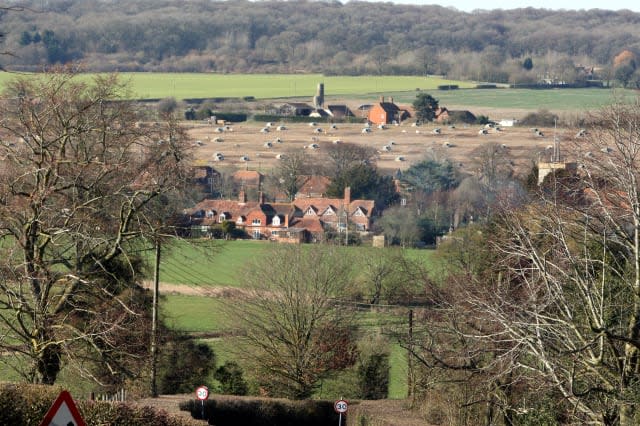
154,320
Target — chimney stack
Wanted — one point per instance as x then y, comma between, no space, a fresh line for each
242,197
347,196
261,198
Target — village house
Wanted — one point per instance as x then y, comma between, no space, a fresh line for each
303,220
386,112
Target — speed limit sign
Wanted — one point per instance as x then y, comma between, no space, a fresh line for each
341,406
202,393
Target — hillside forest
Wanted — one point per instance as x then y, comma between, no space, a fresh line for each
506,46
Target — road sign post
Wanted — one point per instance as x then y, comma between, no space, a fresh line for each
340,406
202,393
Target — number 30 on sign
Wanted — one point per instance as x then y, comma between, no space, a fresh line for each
341,406
202,393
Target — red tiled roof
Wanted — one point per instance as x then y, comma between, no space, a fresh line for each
311,224
321,204
312,185
249,177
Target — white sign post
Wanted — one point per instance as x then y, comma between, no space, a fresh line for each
341,406
202,393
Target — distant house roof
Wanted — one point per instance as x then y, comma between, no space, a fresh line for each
248,177
312,186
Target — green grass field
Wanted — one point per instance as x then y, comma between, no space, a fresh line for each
367,88
208,263
195,313
527,99
265,86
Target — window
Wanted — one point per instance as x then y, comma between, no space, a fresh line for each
256,235
222,218
240,221
310,212
256,222
329,212
210,213
276,221
358,213
360,227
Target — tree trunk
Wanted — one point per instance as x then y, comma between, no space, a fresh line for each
48,365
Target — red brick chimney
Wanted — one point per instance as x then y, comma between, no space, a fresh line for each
286,220
242,197
261,197
347,195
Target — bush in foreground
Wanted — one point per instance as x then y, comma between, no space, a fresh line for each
223,411
26,404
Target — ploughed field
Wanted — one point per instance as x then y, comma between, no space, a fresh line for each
248,145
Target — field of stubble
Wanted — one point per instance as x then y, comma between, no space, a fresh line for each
244,146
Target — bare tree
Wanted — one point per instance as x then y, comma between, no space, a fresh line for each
288,175
343,156
295,332
560,306
78,190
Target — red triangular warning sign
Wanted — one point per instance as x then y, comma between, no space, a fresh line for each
63,412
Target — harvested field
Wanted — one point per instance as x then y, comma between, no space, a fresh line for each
243,145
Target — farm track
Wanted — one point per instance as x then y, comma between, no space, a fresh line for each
192,290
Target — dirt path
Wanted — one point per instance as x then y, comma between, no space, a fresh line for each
191,290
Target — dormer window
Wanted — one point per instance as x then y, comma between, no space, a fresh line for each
310,212
210,213
222,218
358,212
276,221
240,220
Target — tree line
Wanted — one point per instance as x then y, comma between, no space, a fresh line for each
317,36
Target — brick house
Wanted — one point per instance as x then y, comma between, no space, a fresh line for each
303,220
386,112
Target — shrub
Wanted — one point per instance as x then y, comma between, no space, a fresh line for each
26,404
482,119
541,118
373,375
184,363
259,412
448,87
230,377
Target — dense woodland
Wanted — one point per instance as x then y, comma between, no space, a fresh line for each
521,45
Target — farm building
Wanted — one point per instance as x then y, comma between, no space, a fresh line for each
386,112
339,111
295,109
